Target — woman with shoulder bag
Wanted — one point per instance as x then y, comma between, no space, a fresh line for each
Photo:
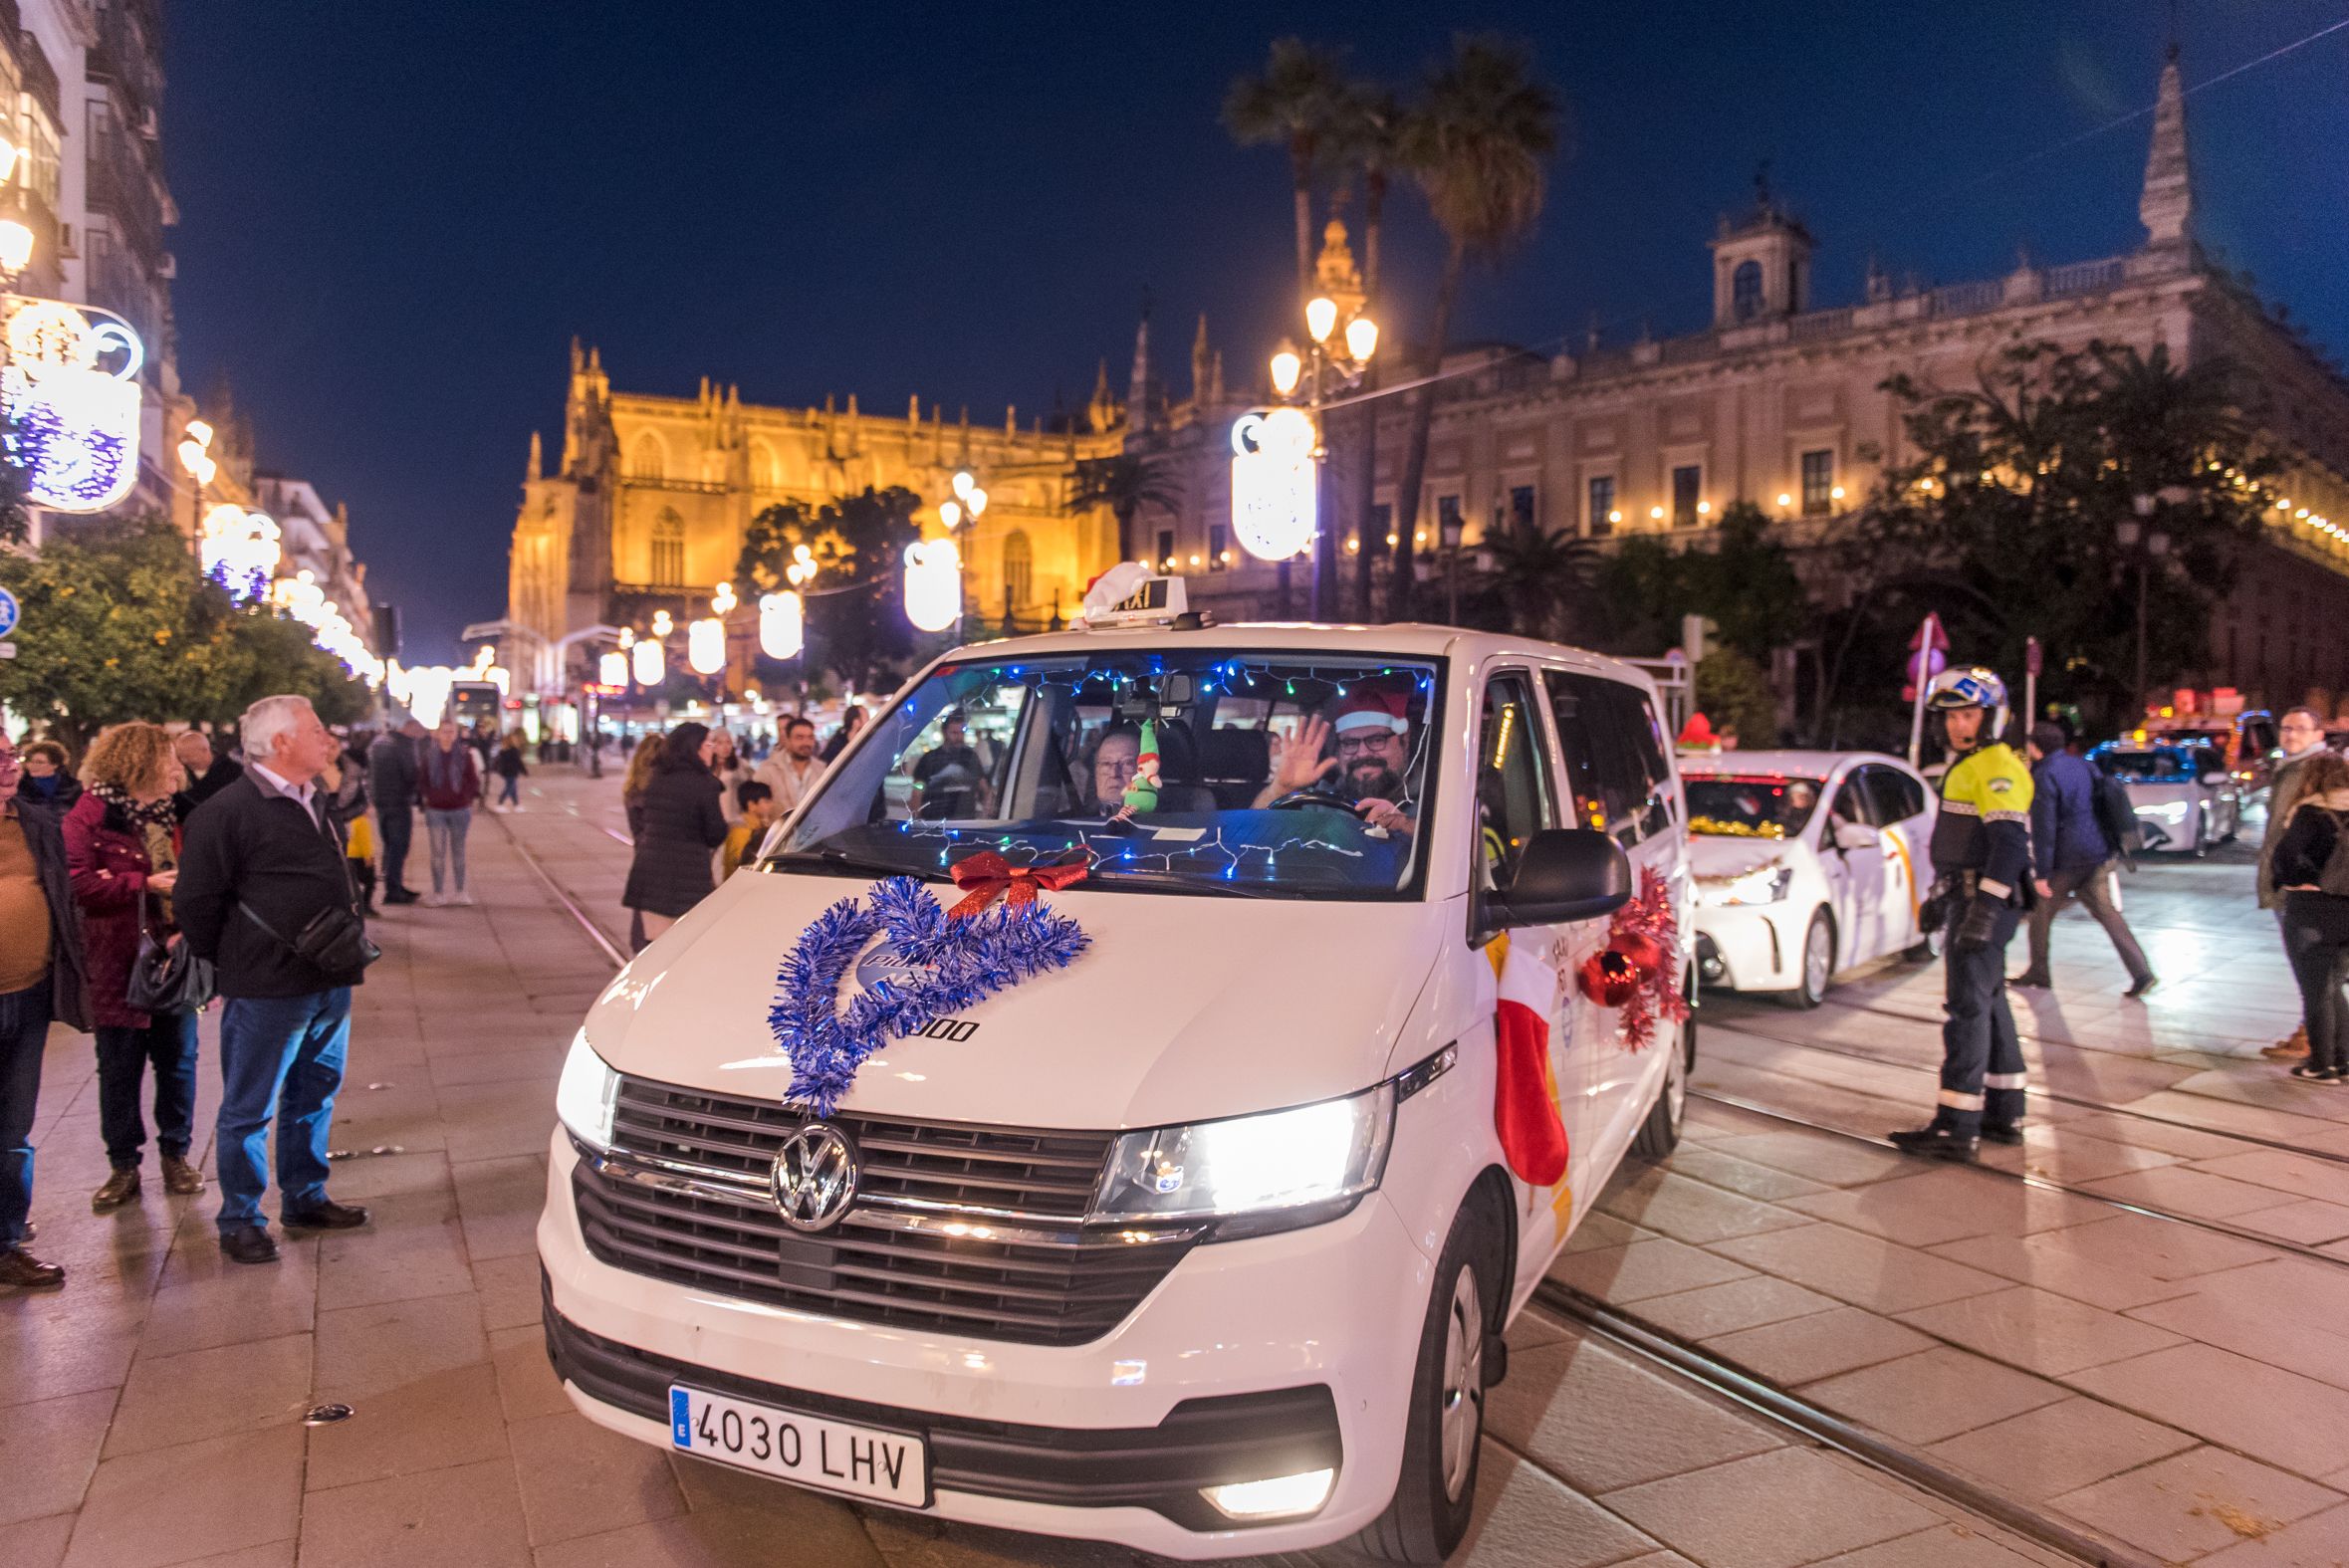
2316,912
450,782
121,856
672,870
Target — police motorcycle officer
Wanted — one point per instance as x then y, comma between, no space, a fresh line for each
1981,864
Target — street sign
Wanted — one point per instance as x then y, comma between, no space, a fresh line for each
10,613
7,650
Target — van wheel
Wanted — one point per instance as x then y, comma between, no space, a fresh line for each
1818,962
1659,1135
1444,1429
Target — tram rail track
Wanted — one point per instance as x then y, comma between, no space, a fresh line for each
2060,1098
1694,1364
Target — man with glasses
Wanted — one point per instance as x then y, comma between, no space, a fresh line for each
1372,752
2303,735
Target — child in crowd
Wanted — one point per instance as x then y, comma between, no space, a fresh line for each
757,804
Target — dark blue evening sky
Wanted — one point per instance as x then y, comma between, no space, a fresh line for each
394,218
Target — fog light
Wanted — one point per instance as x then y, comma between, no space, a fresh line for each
1282,1497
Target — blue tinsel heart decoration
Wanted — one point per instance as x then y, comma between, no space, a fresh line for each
968,960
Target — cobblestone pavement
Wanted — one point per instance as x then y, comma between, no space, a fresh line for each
2181,1388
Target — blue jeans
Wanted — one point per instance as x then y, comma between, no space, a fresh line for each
280,1056
445,831
24,1030
168,1042
510,791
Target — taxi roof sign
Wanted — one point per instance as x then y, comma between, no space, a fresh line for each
1131,595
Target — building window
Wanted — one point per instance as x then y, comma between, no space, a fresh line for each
1688,482
668,551
647,458
1019,571
1521,509
764,469
1600,518
1448,520
1819,482
1382,521
1218,546
1744,291
1166,555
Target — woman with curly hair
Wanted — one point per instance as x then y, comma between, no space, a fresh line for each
122,856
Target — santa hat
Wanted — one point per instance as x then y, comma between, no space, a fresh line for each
1371,710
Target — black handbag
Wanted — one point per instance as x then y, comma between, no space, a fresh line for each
167,977
334,940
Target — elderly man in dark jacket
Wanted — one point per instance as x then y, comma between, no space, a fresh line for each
2301,730
40,979
2072,857
264,859
394,764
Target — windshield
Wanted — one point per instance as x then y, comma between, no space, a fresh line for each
1755,805
2162,764
1290,775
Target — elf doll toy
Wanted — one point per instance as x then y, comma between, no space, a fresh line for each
1142,794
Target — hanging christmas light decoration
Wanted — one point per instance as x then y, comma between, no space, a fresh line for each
645,659
612,670
1275,502
705,645
73,426
783,625
240,550
933,584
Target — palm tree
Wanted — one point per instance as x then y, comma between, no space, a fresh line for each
1538,574
1369,118
1478,145
1292,105
1126,483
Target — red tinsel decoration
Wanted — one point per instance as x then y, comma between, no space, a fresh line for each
1646,932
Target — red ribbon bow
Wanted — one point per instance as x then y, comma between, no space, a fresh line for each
988,876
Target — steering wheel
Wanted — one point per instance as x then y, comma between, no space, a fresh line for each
1297,799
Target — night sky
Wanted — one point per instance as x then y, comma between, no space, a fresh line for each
394,218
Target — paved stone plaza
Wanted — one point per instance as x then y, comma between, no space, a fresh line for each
2181,1389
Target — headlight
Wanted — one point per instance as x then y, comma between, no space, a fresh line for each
2167,810
1288,1167
584,1094
1763,886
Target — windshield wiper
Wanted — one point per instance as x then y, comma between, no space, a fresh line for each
830,859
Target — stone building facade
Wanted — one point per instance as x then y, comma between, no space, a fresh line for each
647,506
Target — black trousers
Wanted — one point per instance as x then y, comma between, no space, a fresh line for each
168,1046
1981,1073
2090,886
399,826
2316,940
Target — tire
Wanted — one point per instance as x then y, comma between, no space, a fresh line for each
1436,1493
1818,962
1659,1134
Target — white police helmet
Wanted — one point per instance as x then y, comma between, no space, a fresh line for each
1972,686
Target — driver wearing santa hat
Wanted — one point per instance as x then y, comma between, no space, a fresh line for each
1369,738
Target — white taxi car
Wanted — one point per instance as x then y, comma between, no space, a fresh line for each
1205,1241
2185,796
1808,863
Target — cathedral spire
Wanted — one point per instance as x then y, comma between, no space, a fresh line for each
1137,391
536,459
2167,203
1200,354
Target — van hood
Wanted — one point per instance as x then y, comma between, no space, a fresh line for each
1181,1009
1717,857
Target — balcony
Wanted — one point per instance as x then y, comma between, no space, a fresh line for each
122,186
127,56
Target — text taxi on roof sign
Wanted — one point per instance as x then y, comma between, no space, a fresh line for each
1139,1089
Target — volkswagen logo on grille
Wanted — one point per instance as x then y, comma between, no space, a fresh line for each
815,1177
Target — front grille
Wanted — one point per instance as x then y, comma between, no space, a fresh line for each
891,1258
1006,1170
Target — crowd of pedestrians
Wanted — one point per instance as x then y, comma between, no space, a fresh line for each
165,877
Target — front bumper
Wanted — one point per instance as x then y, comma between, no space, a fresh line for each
1251,1359
1749,946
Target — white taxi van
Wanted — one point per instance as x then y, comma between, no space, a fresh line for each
1808,863
1202,1240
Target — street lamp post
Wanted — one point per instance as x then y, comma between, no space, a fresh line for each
967,503
1339,342
1449,529
2150,544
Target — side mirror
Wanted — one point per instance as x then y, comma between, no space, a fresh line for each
1564,874
1856,835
